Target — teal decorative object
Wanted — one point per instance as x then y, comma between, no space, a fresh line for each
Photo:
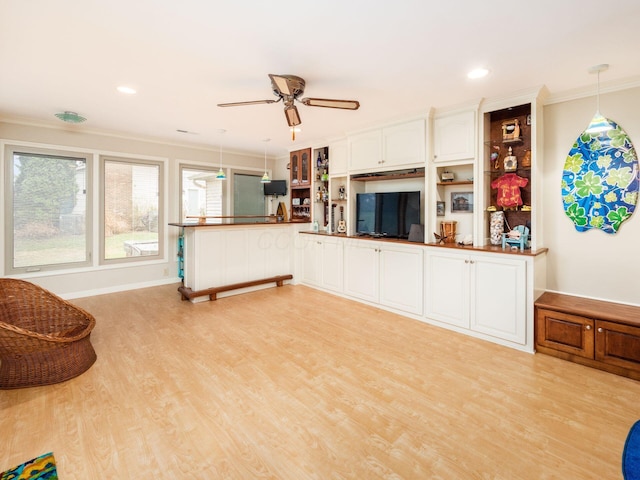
600,180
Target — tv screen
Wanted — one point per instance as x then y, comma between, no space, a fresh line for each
388,214
276,187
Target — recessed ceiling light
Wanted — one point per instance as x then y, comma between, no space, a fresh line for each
477,73
126,90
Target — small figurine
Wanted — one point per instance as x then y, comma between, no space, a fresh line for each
510,162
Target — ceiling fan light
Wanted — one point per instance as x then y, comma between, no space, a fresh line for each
291,112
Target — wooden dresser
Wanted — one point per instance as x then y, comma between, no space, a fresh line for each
595,333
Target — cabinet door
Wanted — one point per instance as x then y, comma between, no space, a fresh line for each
305,171
332,265
498,297
454,137
401,277
404,145
365,151
294,165
564,332
361,270
311,260
338,155
618,344
446,288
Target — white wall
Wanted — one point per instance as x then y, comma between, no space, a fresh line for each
104,279
593,263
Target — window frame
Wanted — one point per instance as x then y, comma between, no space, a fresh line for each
182,166
132,160
9,150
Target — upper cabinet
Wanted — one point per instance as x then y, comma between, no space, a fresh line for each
454,136
339,157
300,161
397,146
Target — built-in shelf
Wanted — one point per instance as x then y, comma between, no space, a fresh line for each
396,175
457,182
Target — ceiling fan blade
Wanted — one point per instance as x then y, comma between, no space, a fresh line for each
252,102
293,118
329,103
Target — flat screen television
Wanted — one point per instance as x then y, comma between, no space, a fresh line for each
275,187
388,214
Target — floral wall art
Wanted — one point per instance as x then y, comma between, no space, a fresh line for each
600,180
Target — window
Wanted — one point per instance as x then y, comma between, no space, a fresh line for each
132,221
202,194
48,205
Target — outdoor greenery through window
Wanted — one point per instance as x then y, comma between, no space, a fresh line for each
47,210
131,198
202,194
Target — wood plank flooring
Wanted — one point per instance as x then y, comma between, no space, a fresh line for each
291,383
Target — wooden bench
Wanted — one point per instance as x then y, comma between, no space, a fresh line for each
595,333
188,294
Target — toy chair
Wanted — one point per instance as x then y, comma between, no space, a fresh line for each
518,240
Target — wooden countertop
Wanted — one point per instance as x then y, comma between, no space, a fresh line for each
454,246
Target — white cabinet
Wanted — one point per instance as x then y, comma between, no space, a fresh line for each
404,144
322,262
484,293
454,137
338,158
396,146
365,150
390,275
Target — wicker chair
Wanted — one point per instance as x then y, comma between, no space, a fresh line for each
43,338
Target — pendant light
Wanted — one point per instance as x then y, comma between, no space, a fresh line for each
265,177
598,123
221,175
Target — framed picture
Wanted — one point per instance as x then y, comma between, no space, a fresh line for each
462,202
440,209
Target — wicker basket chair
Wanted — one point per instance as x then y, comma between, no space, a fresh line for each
43,338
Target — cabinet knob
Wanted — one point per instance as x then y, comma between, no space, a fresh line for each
466,261
588,327
600,330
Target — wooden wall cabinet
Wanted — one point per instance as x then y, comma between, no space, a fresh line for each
595,333
301,170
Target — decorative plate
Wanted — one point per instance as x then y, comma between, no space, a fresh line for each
600,180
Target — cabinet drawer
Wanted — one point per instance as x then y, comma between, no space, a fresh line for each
564,332
618,344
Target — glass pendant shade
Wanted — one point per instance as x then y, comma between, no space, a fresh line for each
265,177
598,124
221,175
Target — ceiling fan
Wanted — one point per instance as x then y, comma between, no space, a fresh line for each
289,88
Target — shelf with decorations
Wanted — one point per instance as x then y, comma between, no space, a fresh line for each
510,189
321,187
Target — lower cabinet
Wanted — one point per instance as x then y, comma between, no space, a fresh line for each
596,333
486,294
384,273
323,262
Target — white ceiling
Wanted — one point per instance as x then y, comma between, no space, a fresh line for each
397,58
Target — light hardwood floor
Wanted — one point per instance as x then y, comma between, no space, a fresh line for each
292,383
